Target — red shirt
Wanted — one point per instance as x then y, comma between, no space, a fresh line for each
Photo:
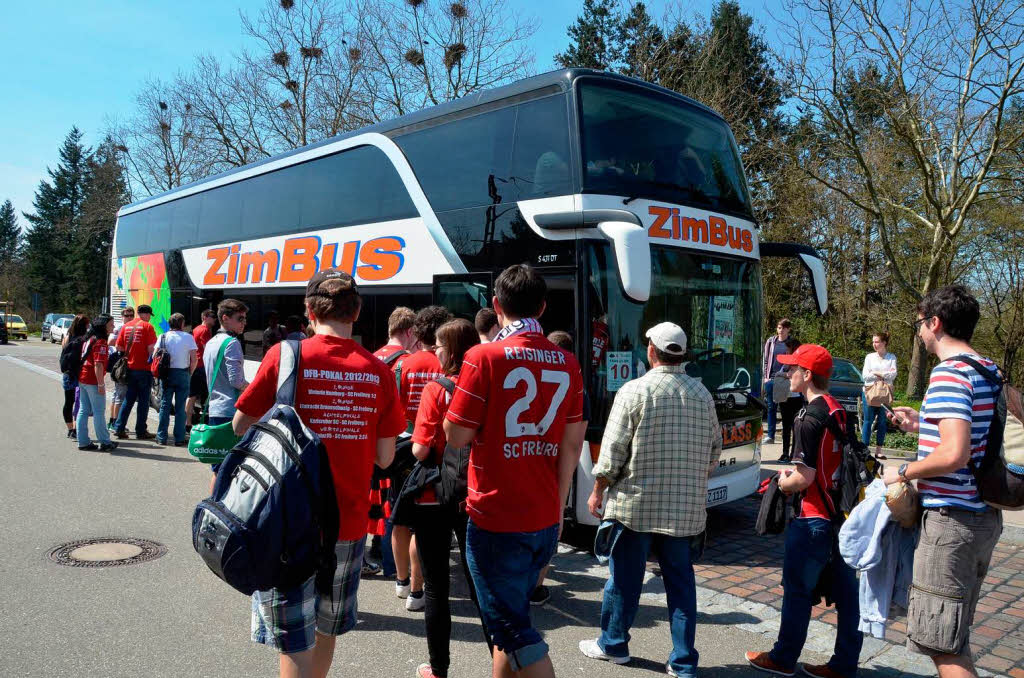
417,369
814,445
201,334
93,353
142,336
387,350
429,429
349,399
519,393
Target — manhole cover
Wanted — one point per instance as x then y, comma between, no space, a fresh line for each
106,552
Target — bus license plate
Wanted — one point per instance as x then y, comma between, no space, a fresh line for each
717,495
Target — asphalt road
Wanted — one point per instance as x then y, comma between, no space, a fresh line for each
172,617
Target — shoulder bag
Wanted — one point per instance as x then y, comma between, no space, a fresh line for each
210,444
119,370
878,393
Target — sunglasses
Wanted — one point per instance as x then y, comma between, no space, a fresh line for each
919,322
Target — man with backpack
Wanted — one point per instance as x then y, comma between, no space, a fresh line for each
349,399
811,539
959,531
519,402
137,340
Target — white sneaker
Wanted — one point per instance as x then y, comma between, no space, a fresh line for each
415,604
594,651
402,590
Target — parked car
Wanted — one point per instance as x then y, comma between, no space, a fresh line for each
60,328
48,322
846,386
16,326
733,394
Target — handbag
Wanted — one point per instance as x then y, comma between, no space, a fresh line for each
210,444
780,388
119,371
878,393
160,366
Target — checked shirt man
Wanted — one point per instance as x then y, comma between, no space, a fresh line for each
660,445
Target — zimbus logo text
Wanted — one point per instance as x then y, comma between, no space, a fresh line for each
670,225
299,258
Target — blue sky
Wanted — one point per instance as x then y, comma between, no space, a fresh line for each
80,62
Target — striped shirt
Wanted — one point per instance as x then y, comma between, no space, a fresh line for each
955,391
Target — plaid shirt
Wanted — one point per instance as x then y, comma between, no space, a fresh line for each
661,440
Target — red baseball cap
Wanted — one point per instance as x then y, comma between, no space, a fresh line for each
811,357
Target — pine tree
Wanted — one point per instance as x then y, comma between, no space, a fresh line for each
595,38
48,243
10,236
642,44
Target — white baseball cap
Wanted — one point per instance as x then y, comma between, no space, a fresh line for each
668,337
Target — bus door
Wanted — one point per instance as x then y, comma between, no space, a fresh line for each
464,293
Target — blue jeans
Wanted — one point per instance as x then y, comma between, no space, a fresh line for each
140,382
873,414
91,403
504,567
175,386
808,550
628,563
773,408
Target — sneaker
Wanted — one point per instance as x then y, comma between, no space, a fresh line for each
416,601
594,651
402,588
540,595
89,447
111,426
672,672
72,433
822,671
763,661
107,447
145,435
424,671
370,569
768,441
180,443
161,442
121,435
783,460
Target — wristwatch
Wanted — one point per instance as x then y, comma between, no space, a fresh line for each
902,471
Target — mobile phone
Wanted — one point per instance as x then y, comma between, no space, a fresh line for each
897,418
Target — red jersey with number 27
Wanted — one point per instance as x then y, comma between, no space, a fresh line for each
519,393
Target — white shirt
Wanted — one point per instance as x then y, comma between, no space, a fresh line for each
875,363
178,344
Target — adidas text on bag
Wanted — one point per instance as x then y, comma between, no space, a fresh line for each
272,521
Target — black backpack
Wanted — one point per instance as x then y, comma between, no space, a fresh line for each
1000,480
71,356
454,467
272,521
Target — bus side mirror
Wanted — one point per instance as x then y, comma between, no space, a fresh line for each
632,256
809,259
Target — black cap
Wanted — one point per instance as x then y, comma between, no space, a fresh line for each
312,289
144,308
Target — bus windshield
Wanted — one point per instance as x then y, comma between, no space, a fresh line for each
717,302
637,143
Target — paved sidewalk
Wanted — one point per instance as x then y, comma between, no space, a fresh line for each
742,565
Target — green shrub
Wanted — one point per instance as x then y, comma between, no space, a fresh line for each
899,440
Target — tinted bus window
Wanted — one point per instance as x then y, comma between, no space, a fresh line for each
540,155
353,187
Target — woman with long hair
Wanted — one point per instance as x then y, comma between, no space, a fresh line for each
879,365
79,326
92,386
434,522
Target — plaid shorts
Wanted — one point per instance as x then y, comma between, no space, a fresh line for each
286,620
120,391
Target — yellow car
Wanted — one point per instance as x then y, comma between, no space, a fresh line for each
16,327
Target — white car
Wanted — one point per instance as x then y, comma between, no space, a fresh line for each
59,329
736,390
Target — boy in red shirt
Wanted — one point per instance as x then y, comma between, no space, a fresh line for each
810,538
519,402
137,339
348,398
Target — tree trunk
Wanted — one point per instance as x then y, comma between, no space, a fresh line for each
865,263
917,378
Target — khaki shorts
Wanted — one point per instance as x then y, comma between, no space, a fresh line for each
950,563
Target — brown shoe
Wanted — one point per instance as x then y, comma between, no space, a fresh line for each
763,661
823,671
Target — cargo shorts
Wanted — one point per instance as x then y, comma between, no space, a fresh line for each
953,553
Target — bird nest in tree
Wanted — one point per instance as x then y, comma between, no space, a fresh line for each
162,105
164,127
415,3
291,86
355,54
311,52
458,10
287,4
281,58
453,54
414,57
285,105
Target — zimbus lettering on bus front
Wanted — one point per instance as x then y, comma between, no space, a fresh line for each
669,225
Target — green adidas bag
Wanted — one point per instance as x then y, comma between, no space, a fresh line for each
210,444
